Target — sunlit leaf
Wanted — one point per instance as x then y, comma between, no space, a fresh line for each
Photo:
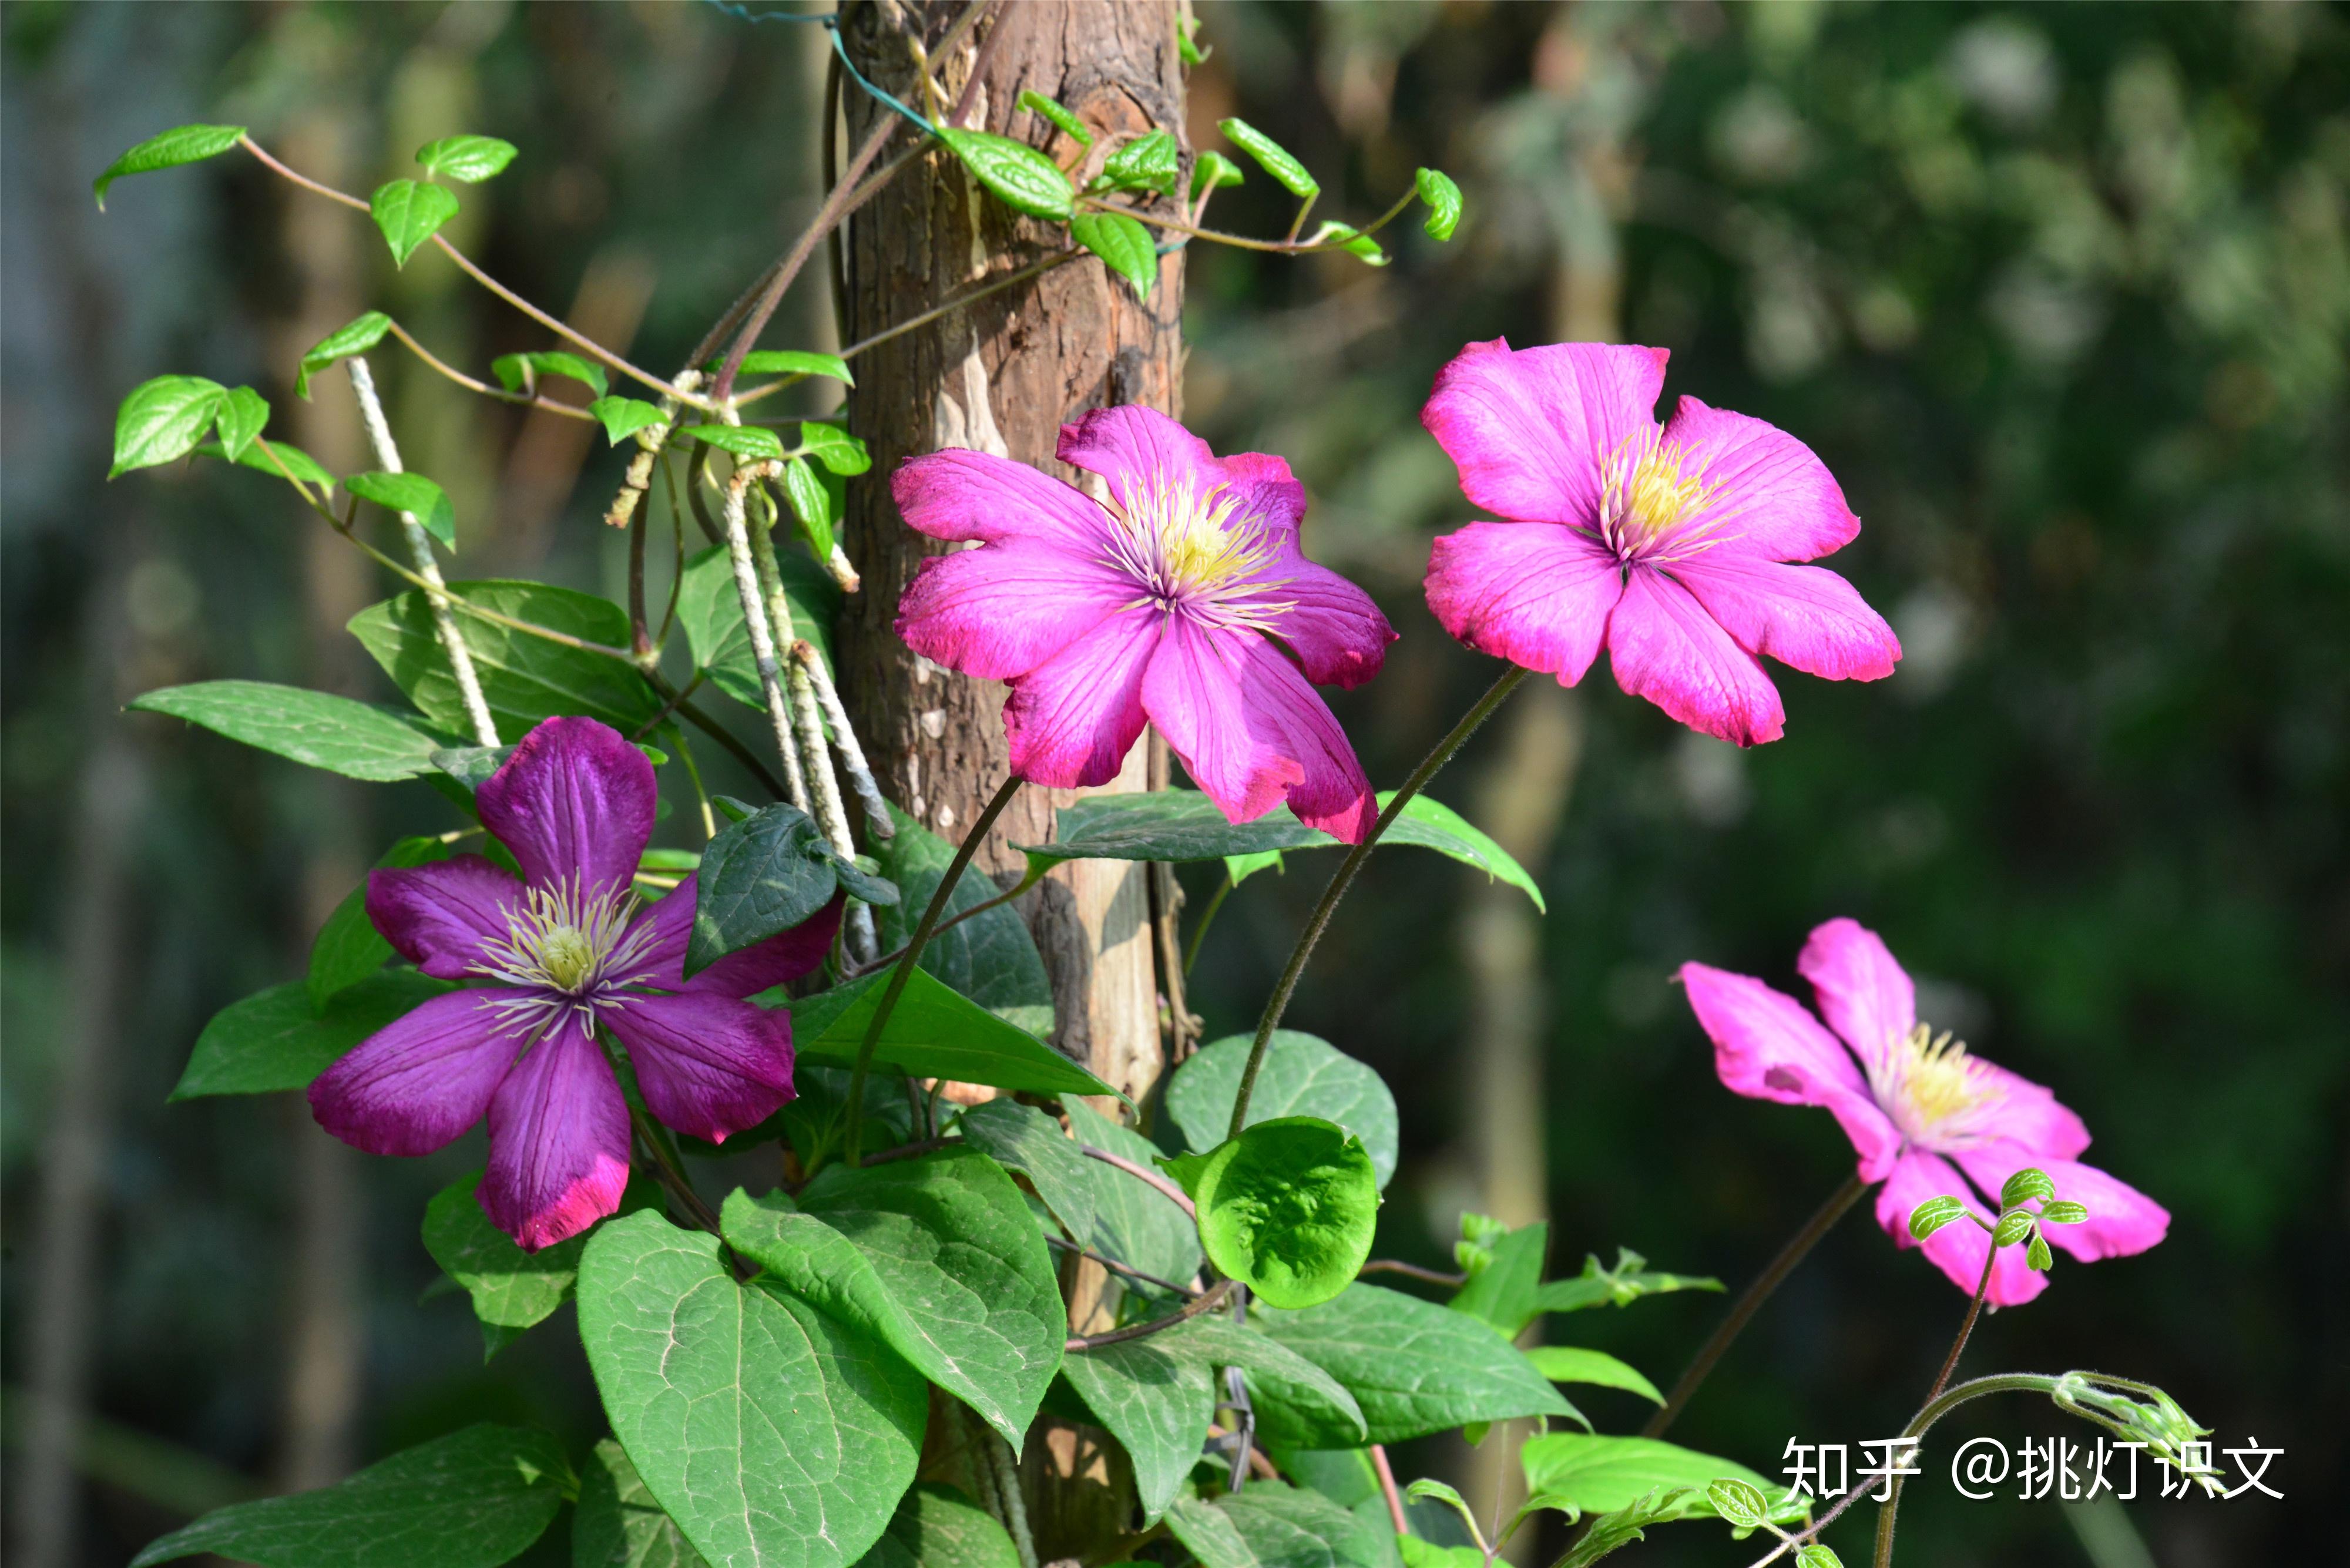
183,144
411,212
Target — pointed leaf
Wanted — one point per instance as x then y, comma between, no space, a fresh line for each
752,443
760,877
524,678
413,495
347,948
1600,1475
274,1040
515,371
1622,1285
1124,245
1348,238
792,362
1272,157
410,213
934,1032
161,420
1021,177
1213,172
241,417
471,158
182,144
355,338
1151,162
266,456
1571,1363
1504,1288
359,740
624,416
989,958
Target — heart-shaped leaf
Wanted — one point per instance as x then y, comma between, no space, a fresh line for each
411,212
1289,1209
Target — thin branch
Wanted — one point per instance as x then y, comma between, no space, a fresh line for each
1388,1489
1110,1263
755,621
1966,1329
475,384
1412,1271
1175,1194
1206,1301
877,820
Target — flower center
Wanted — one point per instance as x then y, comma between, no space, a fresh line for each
1189,551
1936,1094
567,957
561,939
1651,494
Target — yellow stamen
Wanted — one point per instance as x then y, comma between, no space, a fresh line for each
566,955
1645,501
1933,1088
1190,550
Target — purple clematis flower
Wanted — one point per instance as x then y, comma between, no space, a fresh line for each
1180,599
1913,1102
1668,544
562,953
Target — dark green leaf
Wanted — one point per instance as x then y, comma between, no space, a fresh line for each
937,1527
938,1257
1134,1222
1622,1285
1443,198
1271,156
770,1432
1025,1139
411,212
1156,1402
359,740
347,948
413,495
1213,172
516,372
1149,162
357,338
161,420
1021,177
1348,238
1124,245
814,1121
472,1500
182,144
471,158
934,1031
1286,1528
524,678
272,1040
618,1524
760,877
989,958
1570,1363
1611,1531
1600,1475
1208,1534
1288,1209
300,465
511,1289
624,416
753,444
1302,1077
241,417
1185,825
1504,1290
711,610
792,362
1070,124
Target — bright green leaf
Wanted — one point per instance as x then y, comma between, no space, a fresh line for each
1505,1285
1600,1475
811,503
359,740
1443,198
1272,157
624,416
1021,177
1289,1209
710,607
2037,1256
411,212
1302,1077
752,443
834,448
182,144
934,1031
1572,1363
355,338
413,494
990,957
1818,1556
1348,238
524,678
471,158
2012,1228
1419,1553
2024,1185
1213,172
1933,1214
298,464
161,420
1622,1285
1151,162
1124,245
792,362
1037,103
242,416
274,1040
516,372
1737,1502
2063,1211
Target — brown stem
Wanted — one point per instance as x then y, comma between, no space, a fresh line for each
1175,1195
1974,1310
1412,1271
733,747
1115,1266
1387,1488
1206,1301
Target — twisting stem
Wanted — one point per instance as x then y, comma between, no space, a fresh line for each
1751,1300
420,548
1175,1195
755,620
1319,919
1974,1310
877,820
1207,1301
1388,1489
914,955
1112,1264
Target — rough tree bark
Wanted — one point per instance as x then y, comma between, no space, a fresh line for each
1003,377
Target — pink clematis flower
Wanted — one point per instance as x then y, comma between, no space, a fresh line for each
562,952
1182,599
1667,544
1913,1102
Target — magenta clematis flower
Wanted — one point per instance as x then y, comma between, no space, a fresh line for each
559,953
1914,1103
1180,600
1668,544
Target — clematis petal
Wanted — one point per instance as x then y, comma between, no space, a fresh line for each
2122,1220
1664,646
444,916
559,1141
1193,692
1137,452
1772,498
1334,794
1959,1248
1767,1047
960,494
1338,635
1531,429
786,956
414,1085
708,1065
1536,594
2029,1115
1071,718
1863,994
1806,616
576,800
1001,610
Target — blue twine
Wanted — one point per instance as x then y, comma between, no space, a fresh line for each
830,22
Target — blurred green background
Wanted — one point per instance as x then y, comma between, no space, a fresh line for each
2060,294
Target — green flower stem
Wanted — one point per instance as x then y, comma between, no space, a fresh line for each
853,1129
1319,919
1751,1300
958,917
1200,931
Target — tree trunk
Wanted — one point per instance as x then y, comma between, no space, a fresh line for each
1003,377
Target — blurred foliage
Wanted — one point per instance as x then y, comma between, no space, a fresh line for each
2061,294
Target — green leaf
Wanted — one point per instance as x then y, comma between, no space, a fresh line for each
1037,103
182,144
1241,868
1622,1285
241,417
298,464
411,493
347,948
410,213
753,444
1426,1487
1933,1214
1351,240
1737,1502
618,1524
1289,1209
2063,1211
511,1289
1134,1222
161,420
1612,1532
1419,1553
1025,1139
624,416
792,362
1021,177
814,1121
934,1031
833,447
524,678
274,1040
938,1257
1184,825
1818,1556
2024,1185
1149,162
355,338
1272,157
811,503
989,958
1572,1363
937,1527
1413,1368
474,1498
471,158
359,740
1124,245
1504,1288
516,372
1302,1077
1213,172
770,1433
1220,1342
1208,1534
1443,198
1600,1475
710,610
2037,1256
1286,1528
760,877
2012,1228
